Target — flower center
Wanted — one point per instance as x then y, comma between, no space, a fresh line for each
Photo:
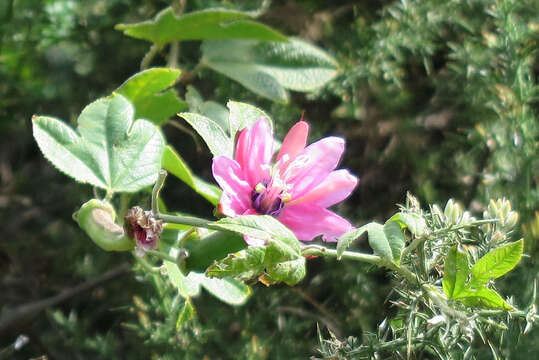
269,197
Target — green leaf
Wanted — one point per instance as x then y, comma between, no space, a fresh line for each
415,223
215,246
174,164
209,109
268,68
242,115
290,271
378,241
149,93
106,148
346,240
242,265
456,271
187,313
483,298
283,260
265,228
230,291
396,239
214,136
386,240
496,263
200,25
187,285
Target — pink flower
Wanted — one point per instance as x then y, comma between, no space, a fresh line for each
297,189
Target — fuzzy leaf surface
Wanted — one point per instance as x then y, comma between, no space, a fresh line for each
269,68
106,147
214,136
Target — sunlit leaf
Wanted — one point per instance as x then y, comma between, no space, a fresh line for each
456,270
242,115
268,68
415,223
214,136
346,239
496,263
149,92
107,145
200,25
187,286
209,109
230,291
483,298
242,265
395,238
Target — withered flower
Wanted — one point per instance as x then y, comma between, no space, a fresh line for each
141,226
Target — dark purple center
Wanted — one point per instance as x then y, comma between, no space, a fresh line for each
272,208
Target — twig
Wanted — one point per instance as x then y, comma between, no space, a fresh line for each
25,313
147,59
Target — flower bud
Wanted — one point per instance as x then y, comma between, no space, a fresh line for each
96,218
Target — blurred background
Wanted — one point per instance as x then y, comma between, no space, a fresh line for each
435,97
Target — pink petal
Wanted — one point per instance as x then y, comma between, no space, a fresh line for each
336,187
236,196
254,150
294,142
308,221
312,165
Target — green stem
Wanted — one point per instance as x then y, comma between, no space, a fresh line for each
161,255
175,219
146,265
147,59
317,250
419,240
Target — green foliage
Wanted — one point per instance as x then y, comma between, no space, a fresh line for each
213,134
496,263
445,322
268,68
386,240
174,164
281,256
107,145
469,285
438,97
149,92
200,25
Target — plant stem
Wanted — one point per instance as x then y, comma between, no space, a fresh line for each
175,219
317,250
161,255
147,59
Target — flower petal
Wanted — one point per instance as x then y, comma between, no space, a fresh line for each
294,142
254,150
336,187
312,165
308,221
236,196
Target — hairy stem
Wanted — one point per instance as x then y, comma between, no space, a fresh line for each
175,219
